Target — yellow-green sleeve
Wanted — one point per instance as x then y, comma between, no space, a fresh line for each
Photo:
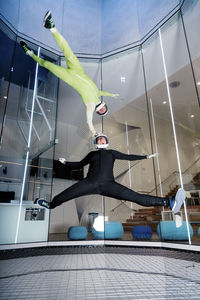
104,93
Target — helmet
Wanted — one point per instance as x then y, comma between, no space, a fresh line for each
100,106
100,146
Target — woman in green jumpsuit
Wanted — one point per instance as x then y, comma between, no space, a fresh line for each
74,74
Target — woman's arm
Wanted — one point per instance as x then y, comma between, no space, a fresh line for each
104,93
90,108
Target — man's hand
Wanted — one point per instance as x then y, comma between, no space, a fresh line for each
62,160
153,155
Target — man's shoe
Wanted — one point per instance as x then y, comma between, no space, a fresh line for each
43,203
178,202
25,47
48,22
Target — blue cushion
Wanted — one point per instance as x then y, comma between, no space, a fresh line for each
198,232
142,232
167,231
77,233
113,230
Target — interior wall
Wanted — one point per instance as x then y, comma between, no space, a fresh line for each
92,27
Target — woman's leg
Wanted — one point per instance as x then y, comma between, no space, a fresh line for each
59,71
71,59
81,188
118,191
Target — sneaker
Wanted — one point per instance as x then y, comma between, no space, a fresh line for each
43,203
25,47
48,22
178,202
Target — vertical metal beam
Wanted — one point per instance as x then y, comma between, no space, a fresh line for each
28,150
129,164
156,145
174,128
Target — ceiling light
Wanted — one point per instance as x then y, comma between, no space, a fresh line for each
123,79
191,116
174,84
198,82
164,102
5,97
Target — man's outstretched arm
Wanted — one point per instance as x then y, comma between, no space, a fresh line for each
119,155
85,161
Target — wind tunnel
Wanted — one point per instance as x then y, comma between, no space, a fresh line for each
154,67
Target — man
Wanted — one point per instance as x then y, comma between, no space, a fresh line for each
100,180
74,74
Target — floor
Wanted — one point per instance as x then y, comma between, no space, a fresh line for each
99,273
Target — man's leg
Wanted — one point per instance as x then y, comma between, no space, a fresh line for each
118,191
71,59
81,188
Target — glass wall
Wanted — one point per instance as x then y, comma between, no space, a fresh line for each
168,79
74,143
157,111
28,114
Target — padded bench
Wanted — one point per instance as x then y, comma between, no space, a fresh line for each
77,233
142,232
167,230
113,230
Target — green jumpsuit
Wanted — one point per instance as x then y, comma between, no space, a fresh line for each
75,76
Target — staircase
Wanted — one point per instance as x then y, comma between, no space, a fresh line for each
144,216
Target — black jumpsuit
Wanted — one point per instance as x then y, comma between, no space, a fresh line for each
100,180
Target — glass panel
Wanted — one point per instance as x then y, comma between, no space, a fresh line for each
186,114
190,11
74,143
12,146
127,127
161,127
40,166
7,40
26,169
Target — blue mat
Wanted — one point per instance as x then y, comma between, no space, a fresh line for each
167,231
143,232
113,230
77,233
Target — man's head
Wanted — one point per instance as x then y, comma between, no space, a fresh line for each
101,141
101,109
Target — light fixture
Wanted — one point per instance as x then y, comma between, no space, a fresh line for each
191,116
198,82
98,224
123,79
164,102
5,97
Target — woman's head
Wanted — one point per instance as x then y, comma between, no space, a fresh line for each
101,109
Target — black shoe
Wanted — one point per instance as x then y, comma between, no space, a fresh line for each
43,203
25,47
48,22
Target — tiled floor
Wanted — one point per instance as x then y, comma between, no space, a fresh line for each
100,276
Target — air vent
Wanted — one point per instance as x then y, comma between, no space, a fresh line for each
174,84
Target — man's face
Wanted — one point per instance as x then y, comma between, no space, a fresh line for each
101,140
102,110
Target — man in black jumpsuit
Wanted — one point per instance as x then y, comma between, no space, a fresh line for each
100,180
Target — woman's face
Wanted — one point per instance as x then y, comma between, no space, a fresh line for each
102,110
